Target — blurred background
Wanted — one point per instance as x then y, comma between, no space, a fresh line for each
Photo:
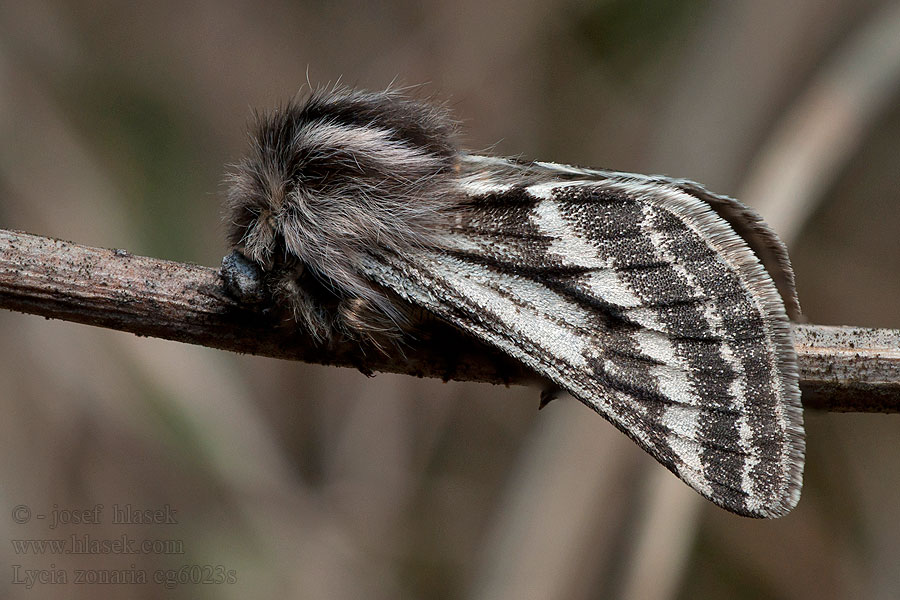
117,121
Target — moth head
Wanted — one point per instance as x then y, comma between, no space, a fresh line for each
339,174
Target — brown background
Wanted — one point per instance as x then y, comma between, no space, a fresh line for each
116,122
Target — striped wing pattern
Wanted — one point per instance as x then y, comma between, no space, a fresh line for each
645,305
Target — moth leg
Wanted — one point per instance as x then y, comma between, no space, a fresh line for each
550,393
364,319
290,289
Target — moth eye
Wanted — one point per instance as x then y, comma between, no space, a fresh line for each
243,278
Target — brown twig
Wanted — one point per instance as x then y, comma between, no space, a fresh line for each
841,368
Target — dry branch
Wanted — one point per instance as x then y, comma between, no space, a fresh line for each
841,368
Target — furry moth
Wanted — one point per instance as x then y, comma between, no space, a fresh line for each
661,306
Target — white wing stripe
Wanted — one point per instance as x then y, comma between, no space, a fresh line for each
685,424
609,286
476,186
481,286
566,248
671,376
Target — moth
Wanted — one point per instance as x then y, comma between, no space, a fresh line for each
658,304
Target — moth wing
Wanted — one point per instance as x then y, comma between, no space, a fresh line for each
645,305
